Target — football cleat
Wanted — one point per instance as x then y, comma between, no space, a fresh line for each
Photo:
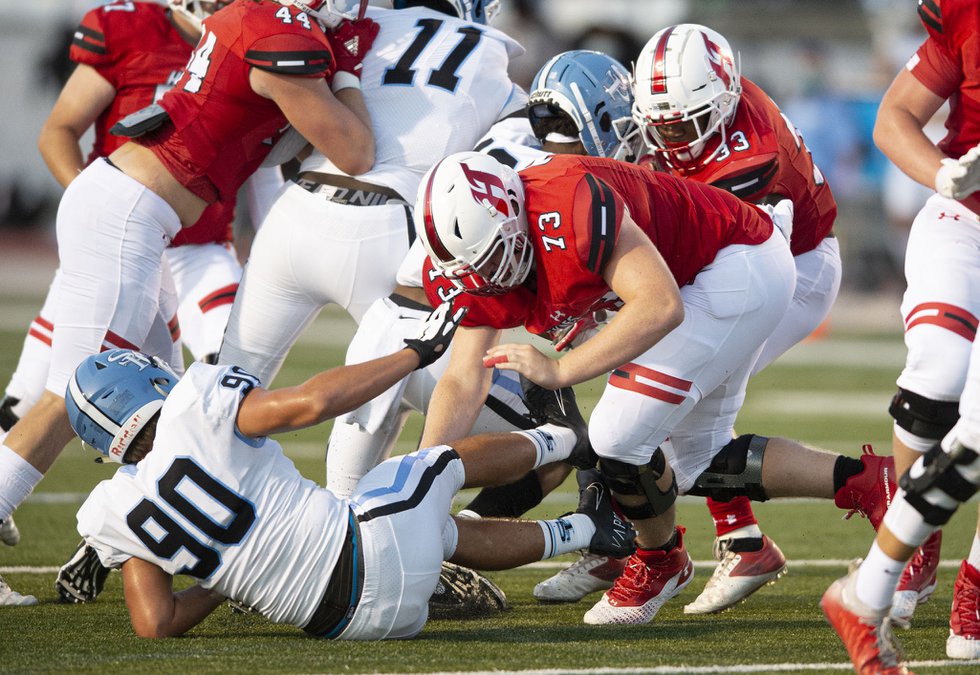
866,634
870,492
462,593
547,406
739,574
650,579
614,534
9,534
11,598
964,620
918,580
82,578
587,575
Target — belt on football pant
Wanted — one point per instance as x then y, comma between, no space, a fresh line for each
348,191
336,609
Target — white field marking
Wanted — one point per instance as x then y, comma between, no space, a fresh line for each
848,352
803,403
707,670
555,564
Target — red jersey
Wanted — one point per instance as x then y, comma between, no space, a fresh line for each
574,209
136,48
948,64
220,130
765,155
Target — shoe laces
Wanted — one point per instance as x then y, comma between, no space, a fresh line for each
889,649
866,450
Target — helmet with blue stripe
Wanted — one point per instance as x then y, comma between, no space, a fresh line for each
111,396
592,90
477,11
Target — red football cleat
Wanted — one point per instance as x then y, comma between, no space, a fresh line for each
870,492
918,579
739,574
866,634
964,620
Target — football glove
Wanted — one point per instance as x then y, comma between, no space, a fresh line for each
463,593
959,178
82,578
350,41
436,333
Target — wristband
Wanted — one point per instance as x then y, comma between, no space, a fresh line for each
344,80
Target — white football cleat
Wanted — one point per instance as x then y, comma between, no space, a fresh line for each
589,574
9,534
738,575
11,598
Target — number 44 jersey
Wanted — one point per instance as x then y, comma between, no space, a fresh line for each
230,510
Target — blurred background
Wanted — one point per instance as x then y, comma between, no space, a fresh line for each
825,62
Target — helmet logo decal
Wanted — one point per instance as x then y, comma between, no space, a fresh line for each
487,189
128,357
718,60
658,79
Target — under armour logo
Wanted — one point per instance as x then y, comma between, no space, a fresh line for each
954,216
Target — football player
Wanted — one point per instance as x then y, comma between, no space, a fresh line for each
936,407
204,492
258,67
573,235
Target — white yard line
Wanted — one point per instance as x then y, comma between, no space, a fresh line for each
707,670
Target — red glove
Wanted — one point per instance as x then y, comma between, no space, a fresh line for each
350,41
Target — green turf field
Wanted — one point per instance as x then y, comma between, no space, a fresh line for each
832,393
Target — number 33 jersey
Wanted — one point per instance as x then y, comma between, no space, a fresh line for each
230,510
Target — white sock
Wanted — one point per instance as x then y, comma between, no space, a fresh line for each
17,480
748,532
974,557
566,534
552,442
877,578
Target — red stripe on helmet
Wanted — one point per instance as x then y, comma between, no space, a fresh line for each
658,78
428,222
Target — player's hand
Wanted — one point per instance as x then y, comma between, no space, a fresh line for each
959,178
527,361
436,333
350,41
781,215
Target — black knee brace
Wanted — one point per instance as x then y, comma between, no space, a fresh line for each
630,479
922,416
940,474
735,471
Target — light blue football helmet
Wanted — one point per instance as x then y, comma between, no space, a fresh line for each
593,90
111,396
477,11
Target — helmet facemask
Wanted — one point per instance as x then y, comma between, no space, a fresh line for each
502,265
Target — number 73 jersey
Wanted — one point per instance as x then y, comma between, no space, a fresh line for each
766,155
229,510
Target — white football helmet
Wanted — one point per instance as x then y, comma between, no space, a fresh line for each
477,11
197,11
686,89
470,217
330,12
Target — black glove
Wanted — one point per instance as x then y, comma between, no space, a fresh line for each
436,333
82,578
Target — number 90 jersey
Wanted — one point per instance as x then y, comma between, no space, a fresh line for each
765,155
222,130
230,510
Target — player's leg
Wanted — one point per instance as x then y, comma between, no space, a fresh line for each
27,382
206,277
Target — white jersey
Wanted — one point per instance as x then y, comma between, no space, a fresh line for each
227,509
433,85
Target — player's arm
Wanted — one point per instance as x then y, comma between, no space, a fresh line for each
905,109
461,391
337,125
154,609
652,307
334,392
84,97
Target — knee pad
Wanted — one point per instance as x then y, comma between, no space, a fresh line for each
922,416
630,479
955,474
736,471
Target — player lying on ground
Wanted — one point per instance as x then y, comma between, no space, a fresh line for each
212,497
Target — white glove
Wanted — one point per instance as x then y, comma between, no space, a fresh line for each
781,214
959,178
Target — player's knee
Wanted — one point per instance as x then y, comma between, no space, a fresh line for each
921,416
640,480
735,471
942,480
